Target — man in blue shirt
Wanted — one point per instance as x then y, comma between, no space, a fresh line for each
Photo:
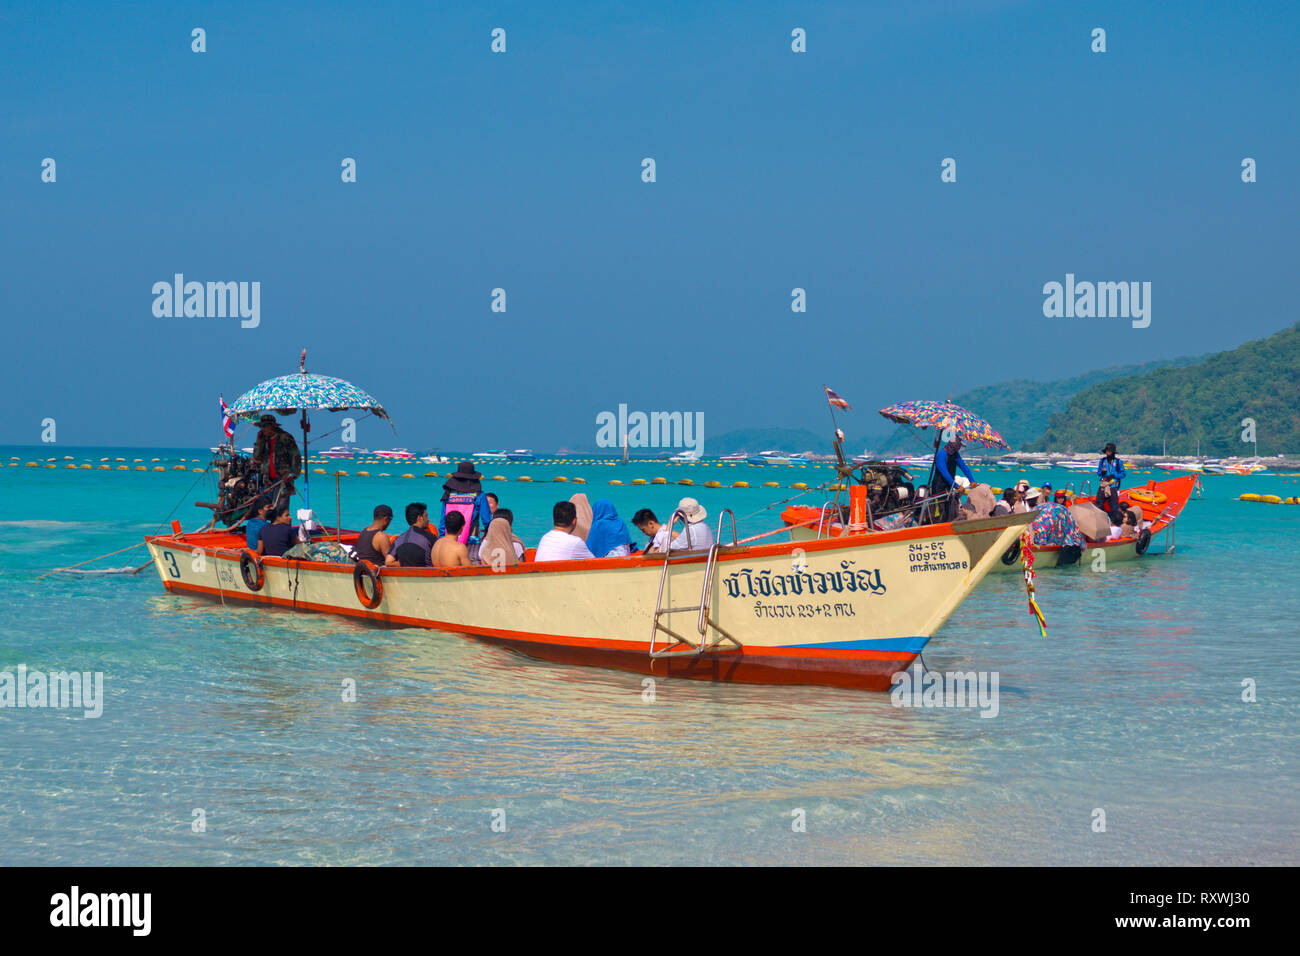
1111,467
947,462
259,515
1110,472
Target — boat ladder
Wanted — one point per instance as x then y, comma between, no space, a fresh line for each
709,635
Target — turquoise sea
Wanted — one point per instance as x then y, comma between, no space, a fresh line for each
1131,705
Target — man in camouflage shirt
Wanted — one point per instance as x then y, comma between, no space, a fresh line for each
276,456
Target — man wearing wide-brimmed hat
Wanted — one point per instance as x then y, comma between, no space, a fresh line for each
463,492
276,456
1111,467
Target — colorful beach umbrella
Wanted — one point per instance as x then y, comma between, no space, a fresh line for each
304,391
928,414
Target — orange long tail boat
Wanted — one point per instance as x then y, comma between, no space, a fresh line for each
1161,503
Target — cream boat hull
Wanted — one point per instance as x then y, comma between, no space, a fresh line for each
846,612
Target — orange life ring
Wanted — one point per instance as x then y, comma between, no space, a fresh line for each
1148,496
367,570
249,560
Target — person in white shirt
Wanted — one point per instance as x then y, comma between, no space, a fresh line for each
560,543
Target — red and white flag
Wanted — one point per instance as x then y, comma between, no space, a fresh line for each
835,400
227,425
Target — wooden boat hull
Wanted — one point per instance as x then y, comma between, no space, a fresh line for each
1177,492
847,613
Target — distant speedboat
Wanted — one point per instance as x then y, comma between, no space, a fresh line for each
774,457
739,456
686,456
1040,465
499,454
520,454
436,459
338,451
1075,465
395,454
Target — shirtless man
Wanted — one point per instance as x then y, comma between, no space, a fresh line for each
449,552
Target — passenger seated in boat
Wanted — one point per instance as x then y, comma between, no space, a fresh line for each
274,539
561,543
696,536
1129,528
584,515
649,526
509,517
979,503
500,547
450,551
1007,504
372,544
493,502
259,516
412,546
608,537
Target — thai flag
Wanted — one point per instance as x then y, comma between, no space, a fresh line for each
835,400
227,425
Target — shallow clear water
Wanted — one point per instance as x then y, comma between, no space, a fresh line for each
1131,704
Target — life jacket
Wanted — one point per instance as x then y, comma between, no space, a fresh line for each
465,505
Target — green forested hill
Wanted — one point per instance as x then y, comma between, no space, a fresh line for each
1020,409
1206,401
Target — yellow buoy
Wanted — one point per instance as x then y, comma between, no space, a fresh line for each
67,466
106,467
713,484
638,481
499,478
1272,499
341,474
1249,496
615,481
658,481
800,486
771,484
740,484
31,464
523,478
408,476
199,470
159,468
560,478
685,481
363,474
318,471
431,474
836,487
579,481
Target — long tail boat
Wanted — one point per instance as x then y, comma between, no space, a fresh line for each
847,611
1161,503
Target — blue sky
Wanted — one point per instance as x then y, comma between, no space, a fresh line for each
522,171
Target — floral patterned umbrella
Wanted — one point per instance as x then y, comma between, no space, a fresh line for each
304,391
946,415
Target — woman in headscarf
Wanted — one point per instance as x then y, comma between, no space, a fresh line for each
608,537
498,547
584,515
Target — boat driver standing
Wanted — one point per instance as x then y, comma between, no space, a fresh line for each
1110,472
276,456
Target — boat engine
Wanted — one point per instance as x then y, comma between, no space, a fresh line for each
239,484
